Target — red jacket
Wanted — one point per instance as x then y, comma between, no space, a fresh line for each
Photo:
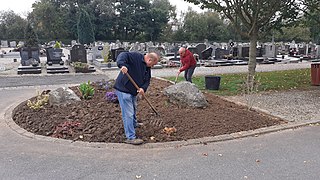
187,61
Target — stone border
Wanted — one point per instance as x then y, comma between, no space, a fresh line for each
174,144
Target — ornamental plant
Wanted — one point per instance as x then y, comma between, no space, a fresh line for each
41,100
111,97
107,85
86,90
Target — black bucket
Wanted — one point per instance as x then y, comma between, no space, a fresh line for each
212,82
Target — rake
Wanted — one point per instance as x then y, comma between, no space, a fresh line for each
156,121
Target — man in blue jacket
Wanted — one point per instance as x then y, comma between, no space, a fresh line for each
138,66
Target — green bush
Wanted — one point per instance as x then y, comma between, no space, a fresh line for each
86,90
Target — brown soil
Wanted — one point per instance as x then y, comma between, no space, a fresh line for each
97,120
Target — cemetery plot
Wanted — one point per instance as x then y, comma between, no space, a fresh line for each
30,61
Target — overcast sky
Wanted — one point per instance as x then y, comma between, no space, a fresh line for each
23,6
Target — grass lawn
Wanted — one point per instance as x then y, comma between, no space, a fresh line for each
233,84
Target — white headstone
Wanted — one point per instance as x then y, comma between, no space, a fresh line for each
13,44
4,43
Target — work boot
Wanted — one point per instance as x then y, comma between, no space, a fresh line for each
134,141
138,124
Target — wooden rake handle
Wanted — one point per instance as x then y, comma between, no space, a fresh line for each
135,85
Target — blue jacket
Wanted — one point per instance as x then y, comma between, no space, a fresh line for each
138,70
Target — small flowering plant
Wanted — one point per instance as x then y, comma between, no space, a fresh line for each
111,97
103,84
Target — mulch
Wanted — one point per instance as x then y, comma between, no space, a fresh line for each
99,120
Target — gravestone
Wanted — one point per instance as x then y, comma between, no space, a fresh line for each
27,55
73,42
159,50
118,51
318,51
220,53
270,51
201,47
193,50
13,44
235,51
78,54
4,43
115,53
54,55
97,52
29,61
243,51
206,54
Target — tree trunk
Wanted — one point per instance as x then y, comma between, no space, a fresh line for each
252,60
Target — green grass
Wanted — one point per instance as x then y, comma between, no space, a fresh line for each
233,84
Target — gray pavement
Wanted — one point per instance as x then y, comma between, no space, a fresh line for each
286,154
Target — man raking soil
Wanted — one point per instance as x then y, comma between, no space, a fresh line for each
137,67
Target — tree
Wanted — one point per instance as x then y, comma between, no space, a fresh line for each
254,16
311,10
31,38
85,28
49,19
12,26
207,25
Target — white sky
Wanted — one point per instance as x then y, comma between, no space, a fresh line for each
23,6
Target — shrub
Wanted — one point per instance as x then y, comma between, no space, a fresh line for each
41,100
86,90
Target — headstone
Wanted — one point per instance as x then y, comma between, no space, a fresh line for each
118,51
270,51
159,50
220,53
73,42
78,54
206,54
97,52
201,47
4,43
30,61
114,55
318,51
244,51
193,50
54,55
13,44
28,54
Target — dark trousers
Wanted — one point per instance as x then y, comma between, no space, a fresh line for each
188,73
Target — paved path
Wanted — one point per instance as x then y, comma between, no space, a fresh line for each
288,154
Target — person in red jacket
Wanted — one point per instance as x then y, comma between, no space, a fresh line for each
188,62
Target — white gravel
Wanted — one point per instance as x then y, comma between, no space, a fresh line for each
298,106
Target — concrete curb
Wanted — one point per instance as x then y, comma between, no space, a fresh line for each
175,144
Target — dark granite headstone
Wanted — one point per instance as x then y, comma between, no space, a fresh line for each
235,51
205,54
201,47
220,53
78,54
245,51
113,53
28,54
193,50
54,55
118,51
